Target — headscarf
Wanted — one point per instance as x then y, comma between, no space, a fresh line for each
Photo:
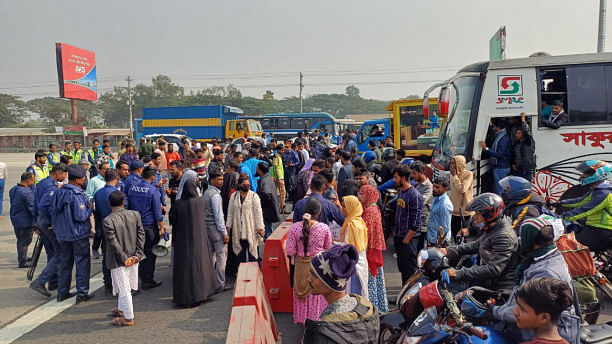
188,174
373,220
354,224
190,189
308,165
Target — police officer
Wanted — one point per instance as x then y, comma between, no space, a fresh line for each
53,156
145,198
70,212
124,171
77,153
42,196
135,177
93,154
39,168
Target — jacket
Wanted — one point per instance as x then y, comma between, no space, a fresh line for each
501,153
524,156
22,206
596,206
498,251
267,196
41,189
216,166
125,237
70,213
42,198
460,191
556,121
527,208
132,179
386,172
361,325
145,199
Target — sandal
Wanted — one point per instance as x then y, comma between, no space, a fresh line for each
121,321
117,312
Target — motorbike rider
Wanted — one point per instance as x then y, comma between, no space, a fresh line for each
497,248
595,206
521,202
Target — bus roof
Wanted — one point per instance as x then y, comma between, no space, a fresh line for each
301,114
539,61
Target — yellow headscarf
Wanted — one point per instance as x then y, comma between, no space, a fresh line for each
357,229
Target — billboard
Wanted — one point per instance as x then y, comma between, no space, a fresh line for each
76,72
497,45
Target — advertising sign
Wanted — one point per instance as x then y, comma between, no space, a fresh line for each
76,72
497,45
80,131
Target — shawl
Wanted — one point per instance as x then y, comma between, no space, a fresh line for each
245,216
376,238
188,174
357,229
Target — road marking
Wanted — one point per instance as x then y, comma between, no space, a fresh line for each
42,314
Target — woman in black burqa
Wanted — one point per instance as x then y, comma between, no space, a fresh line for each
193,270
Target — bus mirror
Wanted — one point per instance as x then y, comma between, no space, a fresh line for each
426,106
443,102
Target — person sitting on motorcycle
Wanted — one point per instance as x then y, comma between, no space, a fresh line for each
521,202
497,247
595,206
542,259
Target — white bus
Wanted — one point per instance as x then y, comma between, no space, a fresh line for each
507,88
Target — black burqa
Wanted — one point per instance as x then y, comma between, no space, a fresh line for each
193,270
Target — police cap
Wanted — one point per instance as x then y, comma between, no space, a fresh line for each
136,164
76,171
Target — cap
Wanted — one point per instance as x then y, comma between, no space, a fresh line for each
335,266
83,162
136,164
76,171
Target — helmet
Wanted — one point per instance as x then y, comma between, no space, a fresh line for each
490,205
407,161
596,170
369,156
388,154
515,188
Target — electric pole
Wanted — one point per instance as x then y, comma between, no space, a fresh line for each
129,79
301,87
601,37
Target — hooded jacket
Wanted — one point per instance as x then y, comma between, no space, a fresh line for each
527,208
461,185
70,213
361,325
596,206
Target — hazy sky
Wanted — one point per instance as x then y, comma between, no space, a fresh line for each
389,49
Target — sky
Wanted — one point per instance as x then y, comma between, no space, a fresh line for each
388,49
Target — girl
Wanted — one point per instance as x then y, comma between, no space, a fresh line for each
355,232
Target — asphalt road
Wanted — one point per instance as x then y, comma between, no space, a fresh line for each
156,319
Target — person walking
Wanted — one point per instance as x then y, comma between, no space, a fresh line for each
3,177
215,226
306,239
102,209
70,215
355,232
267,194
245,221
125,237
22,216
460,193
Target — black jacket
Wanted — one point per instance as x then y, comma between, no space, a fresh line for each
386,172
524,156
560,120
498,252
532,209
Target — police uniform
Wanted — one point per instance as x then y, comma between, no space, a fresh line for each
144,198
132,179
52,159
70,213
92,157
42,197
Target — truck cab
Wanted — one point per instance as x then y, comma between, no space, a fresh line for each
239,127
375,129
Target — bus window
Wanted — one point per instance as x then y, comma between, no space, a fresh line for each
586,94
231,125
298,123
284,123
609,78
265,123
254,126
455,139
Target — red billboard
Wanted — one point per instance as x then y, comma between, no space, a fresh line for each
76,71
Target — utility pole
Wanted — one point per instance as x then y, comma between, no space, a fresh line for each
129,79
601,37
301,87
73,106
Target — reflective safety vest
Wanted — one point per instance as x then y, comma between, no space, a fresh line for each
39,173
76,156
56,160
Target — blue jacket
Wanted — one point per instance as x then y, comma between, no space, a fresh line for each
500,154
43,187
42,197
130,180
161,189
70,213
249,167
103,207
22,206
145,199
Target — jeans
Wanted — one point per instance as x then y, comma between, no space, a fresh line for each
268,229
52,247
24,239
71,253
146,269
1,194
499,174
406,256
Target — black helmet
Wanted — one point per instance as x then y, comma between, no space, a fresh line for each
515,188
490,205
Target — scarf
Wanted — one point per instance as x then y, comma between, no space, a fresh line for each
529,231
188,174
354,224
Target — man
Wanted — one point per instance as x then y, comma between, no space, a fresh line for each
407,222
101,211
373,148
77,153
239,157
135,177
93,154
53,156
229,154
267,194
161,149
70,213
146,148
216,165
159,182
330,192
558,117
106,156
440,215
521,203
22,215
144,198
424,186
188,154
249,167
67,149
129,155
461,194
346,171
290,162
39,168
349,143
171,155
124,171
329,211
500,155
66,159
176,173
348,318
362,176
230,184
277,172
215,225
3,177
125,235
96,183
301,145
84,164
42,197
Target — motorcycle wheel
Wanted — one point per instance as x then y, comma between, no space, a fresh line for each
388,335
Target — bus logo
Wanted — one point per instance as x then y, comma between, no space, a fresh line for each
509,85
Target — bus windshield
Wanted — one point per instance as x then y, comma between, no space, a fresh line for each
455,138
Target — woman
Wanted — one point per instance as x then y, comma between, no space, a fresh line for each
193,271
244,216
305,240
355,232
368,196
303,181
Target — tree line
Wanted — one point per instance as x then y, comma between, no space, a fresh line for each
111,109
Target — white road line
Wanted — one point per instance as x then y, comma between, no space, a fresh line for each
42,314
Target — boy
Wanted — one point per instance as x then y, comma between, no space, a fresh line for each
539,305
199,166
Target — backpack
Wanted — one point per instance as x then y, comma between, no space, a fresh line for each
577,256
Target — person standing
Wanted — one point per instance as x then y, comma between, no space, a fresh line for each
208,156
106,156
39,168
53,156
93,154
171,155
124,171
93,186
290,162
146,148
500,155
176,173
70,213
159,181
306,239
216,165
125,237
67,149
22,215
277,173
129,155
407,222
144,198
523,163
161,149
267,195
135,177
424,186
77,153
441,214
3,177
460,193
229,153
103,208
188,154
215,226
330,211
355,232
249,167
346,171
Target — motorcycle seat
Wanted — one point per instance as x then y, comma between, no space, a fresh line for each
393,320
596,334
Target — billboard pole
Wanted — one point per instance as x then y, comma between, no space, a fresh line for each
129,79
73,103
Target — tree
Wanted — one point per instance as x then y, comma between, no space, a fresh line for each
268,95
12,111
352,91
58,111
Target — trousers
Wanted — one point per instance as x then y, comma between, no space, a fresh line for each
406,256
146,270
71,253
50,273
24,239
219,253
99,228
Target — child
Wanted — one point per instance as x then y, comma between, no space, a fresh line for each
539,305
